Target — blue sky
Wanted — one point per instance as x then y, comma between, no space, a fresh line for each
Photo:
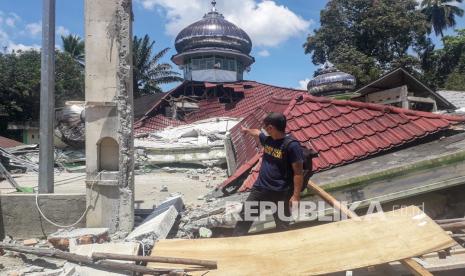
278,29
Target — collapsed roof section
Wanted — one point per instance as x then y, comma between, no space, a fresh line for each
235,100
340,131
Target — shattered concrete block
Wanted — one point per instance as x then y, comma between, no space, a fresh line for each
156,228
31,270
174,200
205,232
30,242
63,239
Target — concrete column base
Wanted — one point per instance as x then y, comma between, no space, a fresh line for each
20,218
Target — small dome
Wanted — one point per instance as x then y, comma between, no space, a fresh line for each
213,31
329,80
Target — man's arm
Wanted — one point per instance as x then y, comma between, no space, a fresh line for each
298,168
255,133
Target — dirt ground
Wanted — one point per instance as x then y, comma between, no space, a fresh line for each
150,189
148,186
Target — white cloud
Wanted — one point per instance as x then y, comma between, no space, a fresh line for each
266,22
62,31
21,47
264,53
12,19
303,84
7,44
34,28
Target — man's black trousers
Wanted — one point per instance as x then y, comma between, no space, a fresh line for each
264,195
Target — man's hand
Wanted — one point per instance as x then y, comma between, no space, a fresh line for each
252,132
294,201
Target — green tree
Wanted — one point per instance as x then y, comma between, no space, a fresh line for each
20,83
445,68
441,14
74,45
149,74
366,37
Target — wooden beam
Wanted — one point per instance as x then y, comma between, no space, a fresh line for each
453,226
167,260
415,267
85,260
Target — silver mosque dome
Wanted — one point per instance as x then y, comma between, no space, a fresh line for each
213,50
213,31
329,81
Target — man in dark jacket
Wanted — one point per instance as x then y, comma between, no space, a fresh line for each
273,184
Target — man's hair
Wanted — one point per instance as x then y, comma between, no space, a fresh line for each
277,120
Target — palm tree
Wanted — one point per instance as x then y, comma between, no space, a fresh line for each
441,14
149,74
74,45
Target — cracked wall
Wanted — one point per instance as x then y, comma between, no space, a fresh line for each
109,112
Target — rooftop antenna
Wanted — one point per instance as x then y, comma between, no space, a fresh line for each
214,6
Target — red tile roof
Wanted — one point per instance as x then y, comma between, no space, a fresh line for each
340,131
8,143
252,96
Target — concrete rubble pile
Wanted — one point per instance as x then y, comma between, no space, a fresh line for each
24,159
20,159
199,143
215,213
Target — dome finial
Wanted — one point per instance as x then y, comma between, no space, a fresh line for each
214,6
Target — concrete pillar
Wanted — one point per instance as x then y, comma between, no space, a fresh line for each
109,114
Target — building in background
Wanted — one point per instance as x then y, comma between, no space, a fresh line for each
331,82
27,132
213,50
399,88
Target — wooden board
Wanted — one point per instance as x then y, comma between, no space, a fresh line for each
333,247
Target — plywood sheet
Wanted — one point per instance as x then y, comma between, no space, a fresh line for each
333,247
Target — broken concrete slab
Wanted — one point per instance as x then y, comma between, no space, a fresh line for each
175,200
205,232
63,239
154,229
126,248
30,242
219,213
20,218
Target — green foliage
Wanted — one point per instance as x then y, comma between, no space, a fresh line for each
74,46
366,38
149,74
445,68
441,14
20,83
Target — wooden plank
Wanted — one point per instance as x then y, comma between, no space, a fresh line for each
412,265
415,267
338,246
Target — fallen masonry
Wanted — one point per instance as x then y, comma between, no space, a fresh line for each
65,239
155,228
